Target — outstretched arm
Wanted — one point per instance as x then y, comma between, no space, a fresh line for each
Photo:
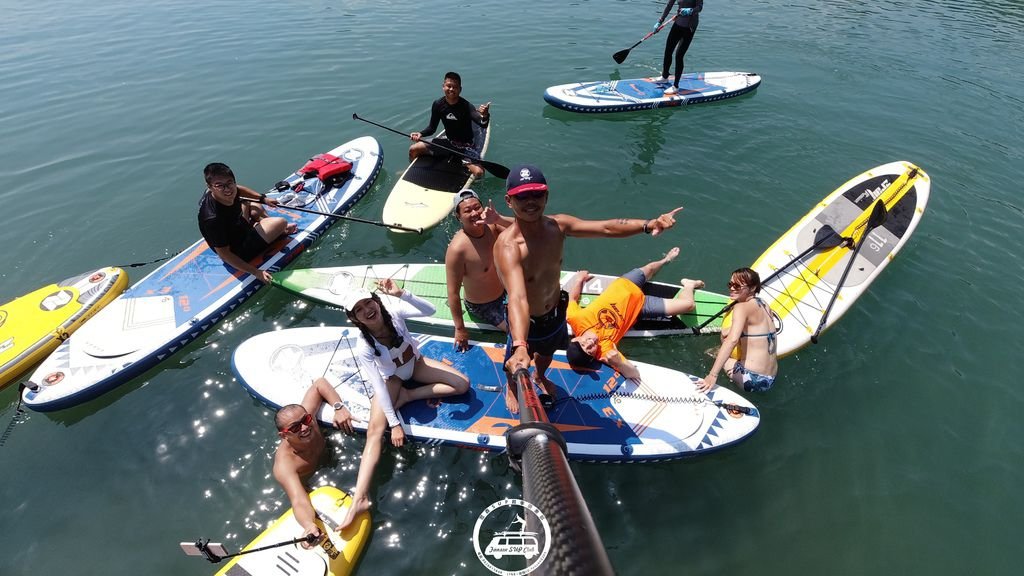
621,365
233,260
729,341
618,228
509,263
305,515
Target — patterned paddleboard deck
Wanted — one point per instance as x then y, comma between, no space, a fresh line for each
188,294
335,555
422,197
327,285
649,94
603,416
31,326
799,294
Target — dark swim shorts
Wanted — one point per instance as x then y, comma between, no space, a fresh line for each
548,332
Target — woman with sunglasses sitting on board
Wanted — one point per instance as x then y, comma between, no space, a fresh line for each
388,356
751,335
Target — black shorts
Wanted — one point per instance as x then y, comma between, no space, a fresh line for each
548,332
251,246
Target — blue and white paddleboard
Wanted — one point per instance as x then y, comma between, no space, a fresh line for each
648,93
188,294
602,416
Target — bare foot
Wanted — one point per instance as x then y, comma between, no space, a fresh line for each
547,385
511,402
697,284
670,255
291,228
353,511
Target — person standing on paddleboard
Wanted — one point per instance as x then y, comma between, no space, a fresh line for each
679,38
388,357
237,235
469,266
458,117
528,255
751,334
301,450
600,326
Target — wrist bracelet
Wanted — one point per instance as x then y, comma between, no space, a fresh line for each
263,198
646,229
518,343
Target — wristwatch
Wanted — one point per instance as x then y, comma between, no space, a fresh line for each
337,406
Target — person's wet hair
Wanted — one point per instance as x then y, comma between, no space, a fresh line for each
747,277
217,169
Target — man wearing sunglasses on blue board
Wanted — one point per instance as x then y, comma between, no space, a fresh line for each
301,450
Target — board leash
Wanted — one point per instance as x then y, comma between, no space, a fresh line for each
15,420
137,264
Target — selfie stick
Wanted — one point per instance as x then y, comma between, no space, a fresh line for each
213,557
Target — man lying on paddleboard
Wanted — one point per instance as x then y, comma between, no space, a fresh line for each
600,326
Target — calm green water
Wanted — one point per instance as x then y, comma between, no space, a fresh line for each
891,447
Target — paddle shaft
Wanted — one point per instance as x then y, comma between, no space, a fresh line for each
492,167
331,215
878,215
621,55
829,234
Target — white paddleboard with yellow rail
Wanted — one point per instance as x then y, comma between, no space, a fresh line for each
808,275
336,554
422,197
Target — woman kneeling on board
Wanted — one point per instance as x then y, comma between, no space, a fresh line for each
388,356
752,334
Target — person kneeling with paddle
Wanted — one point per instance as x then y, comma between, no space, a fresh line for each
301,451
752,334
237,235
388,357
602,324
458,117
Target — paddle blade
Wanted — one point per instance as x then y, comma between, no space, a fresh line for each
826,237
878,216
495,168
620,56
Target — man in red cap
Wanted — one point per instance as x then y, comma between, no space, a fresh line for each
528,256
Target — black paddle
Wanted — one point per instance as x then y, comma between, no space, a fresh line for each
492,167
825,238
330,215
877,217
621,55
204,548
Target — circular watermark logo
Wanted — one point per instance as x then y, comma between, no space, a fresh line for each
509,532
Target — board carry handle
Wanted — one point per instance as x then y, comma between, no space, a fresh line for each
492,167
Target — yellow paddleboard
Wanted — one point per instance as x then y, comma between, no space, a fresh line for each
800,289
335,555
34,324
423,196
